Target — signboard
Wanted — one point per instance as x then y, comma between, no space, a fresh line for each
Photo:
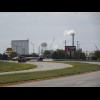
70,48
9,50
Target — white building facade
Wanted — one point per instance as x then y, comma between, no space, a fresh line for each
20,46
89,54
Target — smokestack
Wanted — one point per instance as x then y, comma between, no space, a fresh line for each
73,39
71,33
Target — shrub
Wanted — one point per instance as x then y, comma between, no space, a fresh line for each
94,58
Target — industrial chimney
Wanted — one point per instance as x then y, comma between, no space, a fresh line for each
70,32
73,39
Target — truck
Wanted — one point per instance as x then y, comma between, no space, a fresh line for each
21,58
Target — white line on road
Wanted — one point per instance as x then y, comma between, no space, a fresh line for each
80,82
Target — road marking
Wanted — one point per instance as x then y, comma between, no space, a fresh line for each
81,82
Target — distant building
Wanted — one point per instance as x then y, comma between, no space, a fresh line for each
20,46
89,54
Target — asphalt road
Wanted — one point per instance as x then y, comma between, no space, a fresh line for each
83,80
98,63
41,67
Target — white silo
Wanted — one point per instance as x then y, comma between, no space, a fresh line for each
43,47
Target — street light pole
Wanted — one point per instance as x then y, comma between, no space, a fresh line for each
77,45
33,46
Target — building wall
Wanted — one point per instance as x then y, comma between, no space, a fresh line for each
89,54
20,46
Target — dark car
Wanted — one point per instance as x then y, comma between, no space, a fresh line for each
21,59
40,59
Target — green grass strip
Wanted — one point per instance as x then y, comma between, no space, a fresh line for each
76,69
6,66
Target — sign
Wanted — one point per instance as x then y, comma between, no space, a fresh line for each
9,50
70,48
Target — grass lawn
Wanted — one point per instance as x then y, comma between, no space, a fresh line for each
76,69
6,67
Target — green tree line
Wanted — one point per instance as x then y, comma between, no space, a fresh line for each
96,55
77,54
6,57
62,54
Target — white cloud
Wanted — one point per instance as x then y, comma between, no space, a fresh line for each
55,47
69,32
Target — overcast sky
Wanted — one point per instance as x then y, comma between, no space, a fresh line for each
41,27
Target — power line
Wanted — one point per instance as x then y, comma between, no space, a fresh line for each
96,46
52,42
65,42
33,45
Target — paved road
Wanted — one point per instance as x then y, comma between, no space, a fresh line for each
83,80
98,63
41,67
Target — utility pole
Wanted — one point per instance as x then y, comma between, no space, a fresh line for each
65,50
52,43
77,45
65,42
39,52
33,46
96,46
73,39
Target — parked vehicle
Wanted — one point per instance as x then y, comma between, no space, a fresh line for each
21,59
40,59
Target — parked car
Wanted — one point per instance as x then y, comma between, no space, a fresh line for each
21,59
40,59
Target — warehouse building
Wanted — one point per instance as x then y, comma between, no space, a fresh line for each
20,46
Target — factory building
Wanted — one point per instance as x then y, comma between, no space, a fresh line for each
20,46
89,54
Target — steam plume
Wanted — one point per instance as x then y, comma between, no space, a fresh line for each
69,32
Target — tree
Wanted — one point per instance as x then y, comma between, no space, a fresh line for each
82,56
35,55
55,55
47,54
94,58
97,54
61,54
12,55
78,54
5,56
1,56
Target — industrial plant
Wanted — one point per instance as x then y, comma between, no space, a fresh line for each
20,46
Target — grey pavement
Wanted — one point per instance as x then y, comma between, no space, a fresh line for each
84,80
41,67
98,63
